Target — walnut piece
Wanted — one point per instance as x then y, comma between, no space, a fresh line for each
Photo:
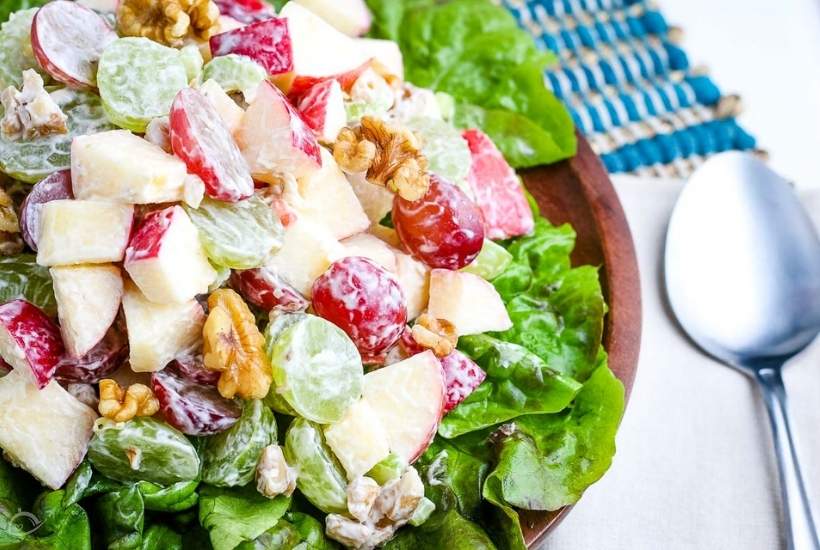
390,156
168,21
30,113
361,494
233,345
349,532
438,335
273,475
121,405
398,500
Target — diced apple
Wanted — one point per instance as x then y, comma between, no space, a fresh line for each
166,260
307,251
83,232
497,189
30,341
408,398
323,109
462,375
229,111
158,333
327,198
376,200
302,83
46,432
385,52
386,234
414,279
349,16
119,166
274,139
318,48
268,42
371,247
158,132
88,299
246,11
358,440
469,302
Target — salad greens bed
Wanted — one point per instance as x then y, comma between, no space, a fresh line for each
534,435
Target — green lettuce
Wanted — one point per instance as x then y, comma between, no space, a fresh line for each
7,7
233,516
21,277
453,47
448,530
518,382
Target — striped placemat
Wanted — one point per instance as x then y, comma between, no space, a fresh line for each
630,86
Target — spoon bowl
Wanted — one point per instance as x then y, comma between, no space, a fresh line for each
742,269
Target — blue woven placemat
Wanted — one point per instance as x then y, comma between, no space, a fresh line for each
630,87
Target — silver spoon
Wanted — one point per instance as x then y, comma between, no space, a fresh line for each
742,269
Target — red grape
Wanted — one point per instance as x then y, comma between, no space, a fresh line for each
246,11
267,290
365,301
99,363
444,228
192,368
54,187
192,408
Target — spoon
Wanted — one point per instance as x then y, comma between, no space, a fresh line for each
742,268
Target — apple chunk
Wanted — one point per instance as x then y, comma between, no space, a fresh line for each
307,251
408,398
229,111
83,232
274,139
327,198
376,200
267,42
373,248
166,260
358,440
30,341
121,167
414,279
352,17
159,333
469,302
46,432
88,299
323,109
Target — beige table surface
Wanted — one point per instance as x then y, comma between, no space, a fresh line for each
694,469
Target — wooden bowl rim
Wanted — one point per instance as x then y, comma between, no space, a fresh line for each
620,280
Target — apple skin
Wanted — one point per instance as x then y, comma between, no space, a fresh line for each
322,108
302,83
267,42
204,142
275,140
68,39
165,258
30,341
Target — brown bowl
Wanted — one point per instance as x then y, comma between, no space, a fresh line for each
578,191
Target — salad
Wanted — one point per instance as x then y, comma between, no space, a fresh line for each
267,283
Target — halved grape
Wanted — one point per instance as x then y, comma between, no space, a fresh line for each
490,262
444,229
235,73
103,359
33,160
365,301
55,187
193,409
192,368
16,53
192,59
448,155
138,80
267,290
239,235
316,368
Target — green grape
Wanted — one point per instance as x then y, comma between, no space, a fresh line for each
16,54
391,467
316,369
235,73
32,160
192,59
238,235
446,151
138,81
321,478
490,262
229,458
142,449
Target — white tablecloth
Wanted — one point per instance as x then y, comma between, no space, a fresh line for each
695,467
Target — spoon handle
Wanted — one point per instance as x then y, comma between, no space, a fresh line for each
802,533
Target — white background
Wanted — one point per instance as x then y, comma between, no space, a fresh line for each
769,52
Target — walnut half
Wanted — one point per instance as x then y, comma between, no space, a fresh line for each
122,405
438,335
390,156
168,21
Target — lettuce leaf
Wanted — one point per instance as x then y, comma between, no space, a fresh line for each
7,7
233,516
453,47
21,277
546,462
518,382
448,530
